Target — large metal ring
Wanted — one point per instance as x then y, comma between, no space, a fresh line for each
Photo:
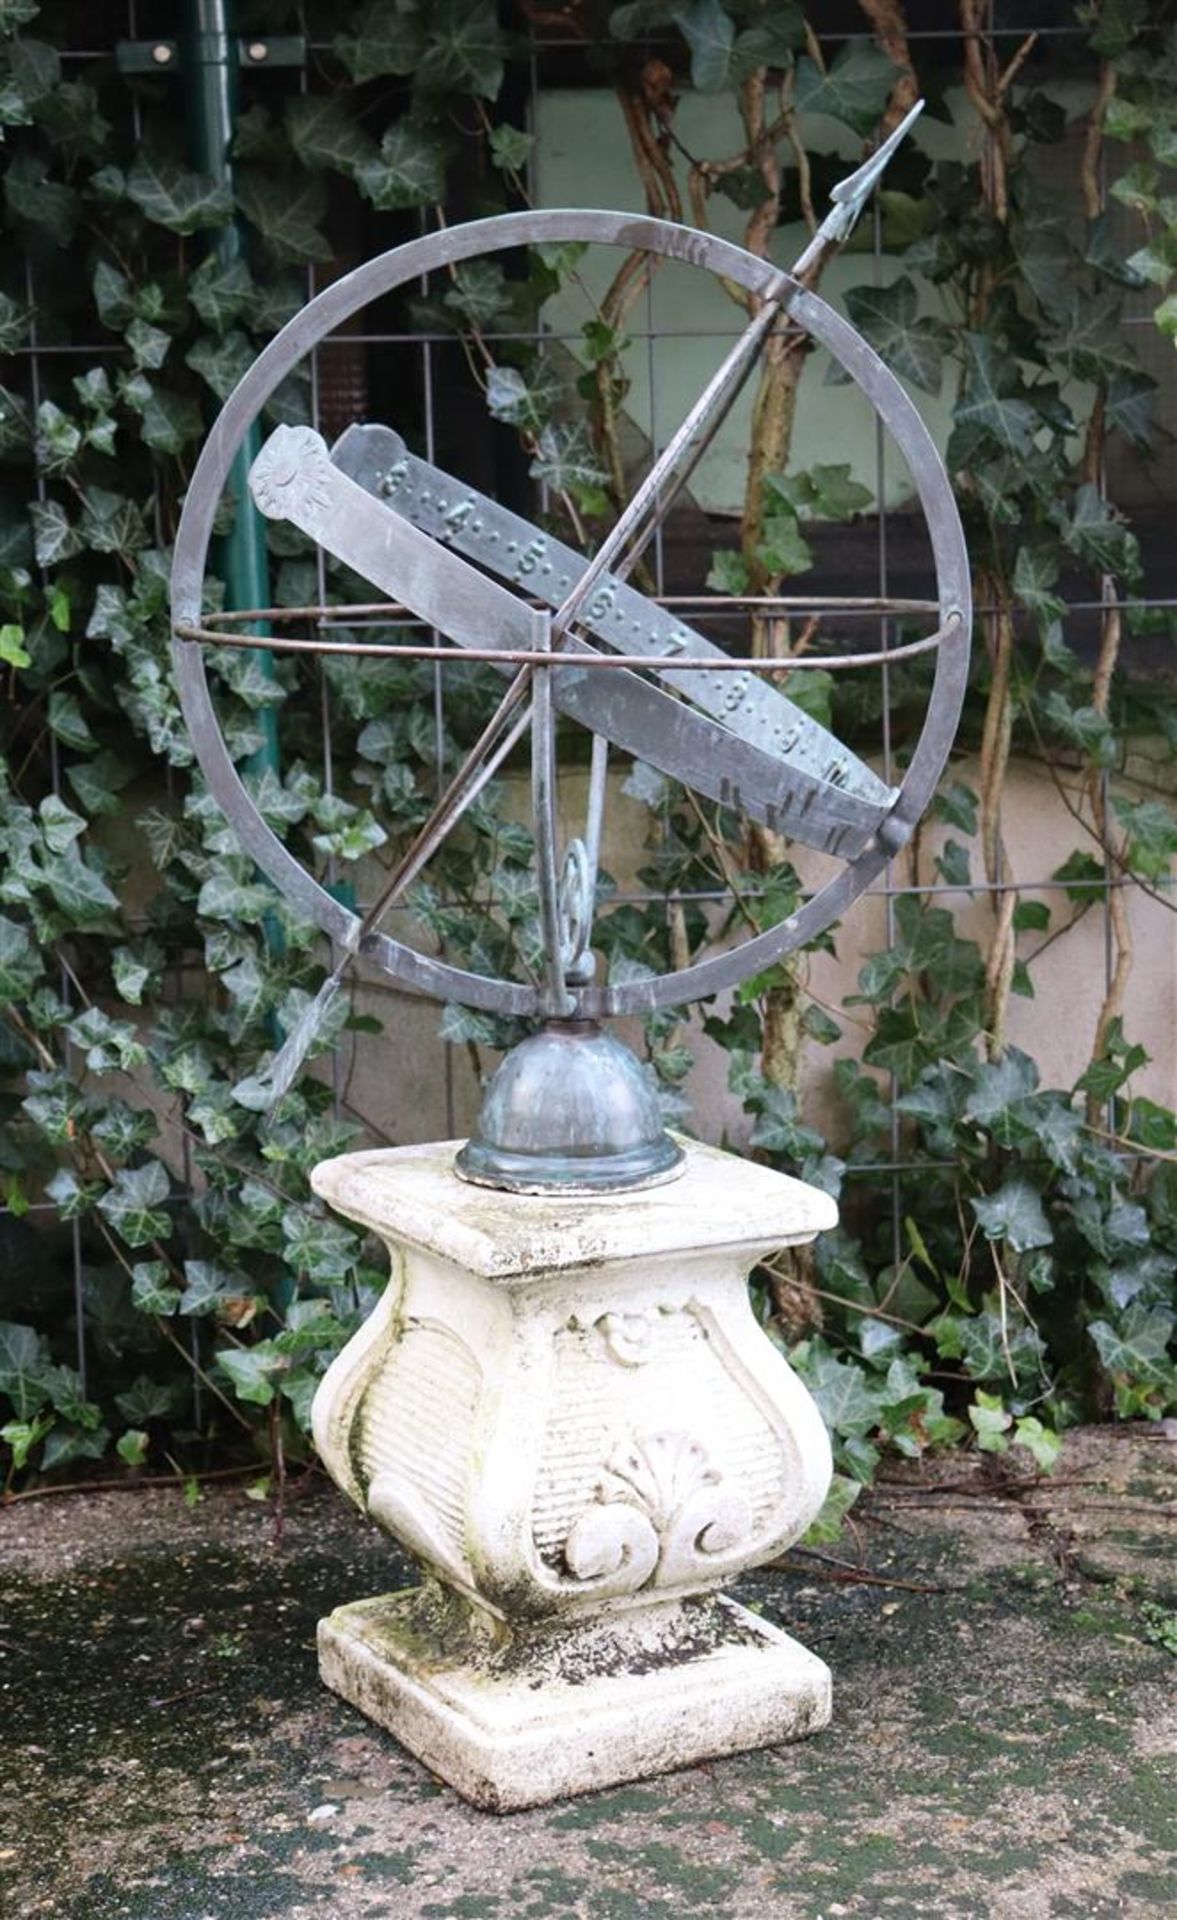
329,310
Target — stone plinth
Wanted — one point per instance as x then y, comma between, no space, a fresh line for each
565,1408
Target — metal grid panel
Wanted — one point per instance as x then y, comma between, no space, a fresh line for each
424,346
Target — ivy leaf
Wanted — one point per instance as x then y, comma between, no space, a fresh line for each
957,805
133,1203
565,458
709,31
1137,188
1100,536
465,48
410,169
122,1130
1000,1085
1083,877
151,1288
728,572
837,1504
70,1197
206,1287
310,1326
24,1363
1152,836
509,397
353,838
225,897
47,205
1014,1214
130,975
912,344
13,652
173,196
112,296
169,421
848,1401
149,345
1036,572
68,724
1130,406
322,1248
97,782
784,548
772,42
990,1422
20,962
23,1436
69,1397
131,1447
107,1043
112,522
15,14
385,41
146,1399
510,148
1138,1347
34,68
854,88
58,437
253,1370
81,893
479,292
220,291
990,408
66,1444
1165,316
1041,1442
825,492
953,864
286,214
221,362
54,539
1089,342
58,822
1115,1066
324,134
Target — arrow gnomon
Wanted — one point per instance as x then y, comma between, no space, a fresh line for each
573,635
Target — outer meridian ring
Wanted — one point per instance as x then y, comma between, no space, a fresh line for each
422,973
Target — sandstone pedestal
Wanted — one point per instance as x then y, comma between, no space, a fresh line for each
565,1408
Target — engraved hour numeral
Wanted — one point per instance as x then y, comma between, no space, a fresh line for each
601,603
456,517
531,556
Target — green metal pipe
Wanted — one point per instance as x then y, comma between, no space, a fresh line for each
210,75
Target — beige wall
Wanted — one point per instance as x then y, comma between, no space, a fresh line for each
399,1080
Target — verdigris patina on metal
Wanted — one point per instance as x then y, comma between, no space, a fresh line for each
574,640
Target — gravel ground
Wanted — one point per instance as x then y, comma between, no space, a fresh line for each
1002,1743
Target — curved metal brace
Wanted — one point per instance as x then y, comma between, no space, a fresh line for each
330,309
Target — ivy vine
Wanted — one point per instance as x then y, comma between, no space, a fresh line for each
1032,1283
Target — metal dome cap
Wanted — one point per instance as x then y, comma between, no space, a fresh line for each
570,1110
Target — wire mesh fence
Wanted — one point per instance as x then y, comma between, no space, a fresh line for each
341,389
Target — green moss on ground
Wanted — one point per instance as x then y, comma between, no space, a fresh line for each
994,1747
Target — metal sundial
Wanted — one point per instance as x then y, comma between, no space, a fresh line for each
569,1107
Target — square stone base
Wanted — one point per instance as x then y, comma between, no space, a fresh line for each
525,1719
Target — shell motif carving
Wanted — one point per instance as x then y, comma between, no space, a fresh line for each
662,1511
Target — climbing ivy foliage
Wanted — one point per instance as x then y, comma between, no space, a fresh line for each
147,972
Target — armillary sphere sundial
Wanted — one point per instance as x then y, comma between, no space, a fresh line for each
563,1405
575,640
